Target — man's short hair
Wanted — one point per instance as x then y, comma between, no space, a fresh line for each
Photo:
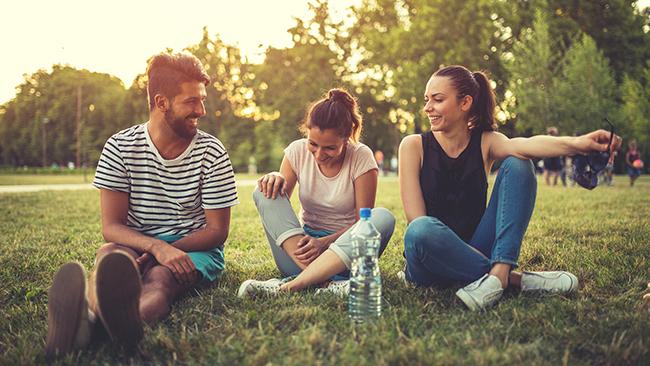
166,72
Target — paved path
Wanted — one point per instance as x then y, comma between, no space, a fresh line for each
73,187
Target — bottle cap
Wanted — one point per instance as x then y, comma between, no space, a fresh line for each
365,213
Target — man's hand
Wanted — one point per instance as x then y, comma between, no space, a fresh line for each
143,260
178,262
310,248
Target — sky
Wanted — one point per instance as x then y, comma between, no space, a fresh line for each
118,36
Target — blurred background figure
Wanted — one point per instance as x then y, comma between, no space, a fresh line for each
553,166
633,162
608,172
379,158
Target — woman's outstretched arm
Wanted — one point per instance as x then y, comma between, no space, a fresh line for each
544,146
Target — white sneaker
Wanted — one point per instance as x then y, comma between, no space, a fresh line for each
481,293
253,287
340,288
402,276
557,282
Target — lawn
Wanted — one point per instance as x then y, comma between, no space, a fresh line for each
68,178
602,236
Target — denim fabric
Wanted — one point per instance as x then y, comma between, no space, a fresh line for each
435,255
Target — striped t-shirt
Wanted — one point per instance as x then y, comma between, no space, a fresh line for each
167,197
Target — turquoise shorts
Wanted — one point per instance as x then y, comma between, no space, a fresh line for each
210,263
316,233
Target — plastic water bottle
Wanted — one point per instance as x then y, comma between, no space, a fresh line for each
364,302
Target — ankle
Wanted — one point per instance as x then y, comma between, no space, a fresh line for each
502,272
291,286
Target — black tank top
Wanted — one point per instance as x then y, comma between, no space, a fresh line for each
454,190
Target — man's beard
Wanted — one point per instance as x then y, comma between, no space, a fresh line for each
181,125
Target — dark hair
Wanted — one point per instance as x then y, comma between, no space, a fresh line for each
166,72
337,110
476,85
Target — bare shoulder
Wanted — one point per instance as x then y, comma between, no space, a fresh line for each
410,151
411,142
492,139
493,136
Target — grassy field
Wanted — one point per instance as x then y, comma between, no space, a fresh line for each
602,236
70,178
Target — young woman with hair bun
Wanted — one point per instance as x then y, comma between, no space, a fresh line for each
336,176
452,237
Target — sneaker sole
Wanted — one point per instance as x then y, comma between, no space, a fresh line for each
243,289
66,301
468,300
118,290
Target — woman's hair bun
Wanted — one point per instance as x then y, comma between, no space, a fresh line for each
340,95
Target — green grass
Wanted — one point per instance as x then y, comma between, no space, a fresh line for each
29,179
68,178
601,236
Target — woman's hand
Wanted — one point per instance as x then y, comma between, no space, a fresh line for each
271,184
598,141
310,248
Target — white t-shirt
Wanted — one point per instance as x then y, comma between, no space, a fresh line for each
328,202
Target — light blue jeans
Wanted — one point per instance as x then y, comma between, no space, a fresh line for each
436,256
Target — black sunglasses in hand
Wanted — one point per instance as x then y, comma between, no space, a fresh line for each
587,167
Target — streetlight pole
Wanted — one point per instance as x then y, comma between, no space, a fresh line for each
44,123
78,129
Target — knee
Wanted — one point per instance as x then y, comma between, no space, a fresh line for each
384,218
159,278
522,169
108,248
423,233
261,202
258,196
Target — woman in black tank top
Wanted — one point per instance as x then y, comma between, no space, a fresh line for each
452,237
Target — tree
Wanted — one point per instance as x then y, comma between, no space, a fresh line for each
585,92
53,95
406,41
290,78
229,98
532,67
636,108
616,26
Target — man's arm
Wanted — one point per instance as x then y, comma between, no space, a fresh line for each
114,210
214,233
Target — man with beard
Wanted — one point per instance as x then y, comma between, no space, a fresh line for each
166,189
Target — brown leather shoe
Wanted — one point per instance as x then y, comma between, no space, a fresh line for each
118,289
66,311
